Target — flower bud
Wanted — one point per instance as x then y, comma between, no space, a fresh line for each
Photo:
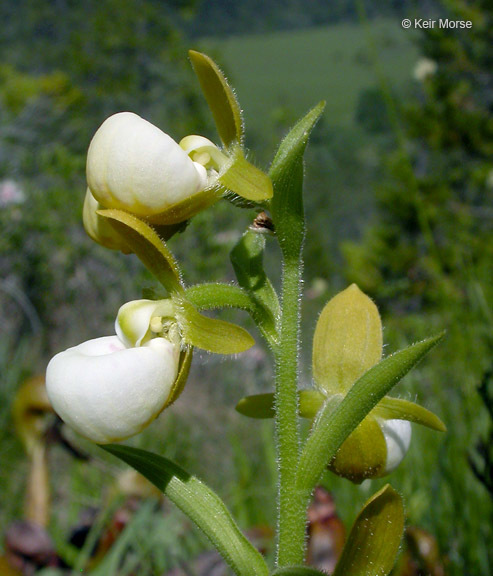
134,166
108,392
373,450
346,344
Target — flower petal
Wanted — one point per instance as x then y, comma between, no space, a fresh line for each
133,321
107,392
134,166
397,435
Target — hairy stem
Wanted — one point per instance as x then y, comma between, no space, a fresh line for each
291,512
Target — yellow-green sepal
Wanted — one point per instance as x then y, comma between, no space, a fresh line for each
374,540
261,406
244,179
148,246
209,334
395,408
220,98
347,341
173,218
98,228
181,379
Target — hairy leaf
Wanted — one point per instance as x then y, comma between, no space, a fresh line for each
200,504
374,540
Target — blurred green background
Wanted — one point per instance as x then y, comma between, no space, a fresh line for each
399,187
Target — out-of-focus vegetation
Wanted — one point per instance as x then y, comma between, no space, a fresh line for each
399,170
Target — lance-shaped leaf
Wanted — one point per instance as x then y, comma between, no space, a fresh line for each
244,179
261,406
148,246
210,334
398,409
286,173
220,98
200,504
373,543
247,259
335,424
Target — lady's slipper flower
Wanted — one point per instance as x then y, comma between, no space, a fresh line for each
347,343
134,166
108,392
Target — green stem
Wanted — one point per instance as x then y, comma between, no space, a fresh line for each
291,512
216,295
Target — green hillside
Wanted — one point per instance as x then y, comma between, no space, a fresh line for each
297,69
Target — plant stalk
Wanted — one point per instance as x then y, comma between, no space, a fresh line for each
291,511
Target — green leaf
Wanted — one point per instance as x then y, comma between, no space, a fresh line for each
200,504
261,406
298,571
245,179
210,334
247,259
220,98
395,408
286,173
149,247
335,424
374,540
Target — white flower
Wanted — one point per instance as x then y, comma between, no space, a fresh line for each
397,434
108,392
424,68
134,166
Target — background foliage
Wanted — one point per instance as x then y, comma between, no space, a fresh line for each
399,196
